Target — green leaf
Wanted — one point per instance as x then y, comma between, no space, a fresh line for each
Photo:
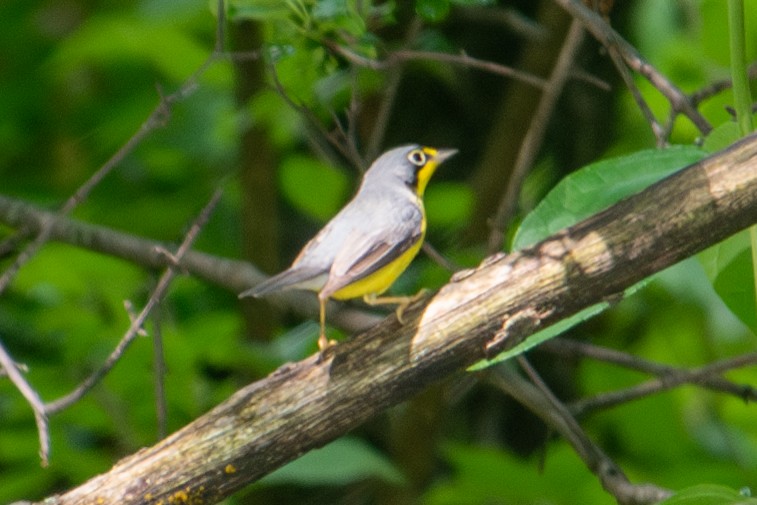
728,265
20,481
106,39
599,185
480,475
721,137
709,494
341,462
313,187
541,336
580,195
554,330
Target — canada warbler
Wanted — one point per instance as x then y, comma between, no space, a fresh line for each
371,241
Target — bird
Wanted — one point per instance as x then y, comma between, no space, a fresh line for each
367,245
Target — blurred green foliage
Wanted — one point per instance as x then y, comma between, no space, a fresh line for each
79,77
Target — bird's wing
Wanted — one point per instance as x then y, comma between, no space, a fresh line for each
369,248
310,268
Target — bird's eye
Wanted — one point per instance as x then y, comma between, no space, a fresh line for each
417,157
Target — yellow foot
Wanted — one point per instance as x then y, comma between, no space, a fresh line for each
324,347
403,302
408,301
325,343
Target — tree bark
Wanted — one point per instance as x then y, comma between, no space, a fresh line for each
480,312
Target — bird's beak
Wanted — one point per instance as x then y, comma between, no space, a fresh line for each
443,154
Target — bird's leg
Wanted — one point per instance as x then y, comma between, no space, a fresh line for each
402,301
323,342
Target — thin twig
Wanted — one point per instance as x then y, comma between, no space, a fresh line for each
610,38
535,135
129,308
157,118
391,87
554,413
665,383
313,121
32,398
660,133
583,76
717,87
509,19
346,138
567,348
463,59
136,324
353,113
439,258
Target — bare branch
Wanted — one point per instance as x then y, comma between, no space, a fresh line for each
717,87
32,398
463,59
234,275
315,124
390,93
157,118
612,40
136,325
509,18
532,141
659,132
666,382
567,347
552,411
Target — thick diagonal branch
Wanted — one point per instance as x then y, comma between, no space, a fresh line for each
305,405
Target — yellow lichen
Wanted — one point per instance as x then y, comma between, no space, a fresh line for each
179,497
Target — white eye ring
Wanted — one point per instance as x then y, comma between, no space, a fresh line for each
417,157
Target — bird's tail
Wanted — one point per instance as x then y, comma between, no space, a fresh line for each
294,278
